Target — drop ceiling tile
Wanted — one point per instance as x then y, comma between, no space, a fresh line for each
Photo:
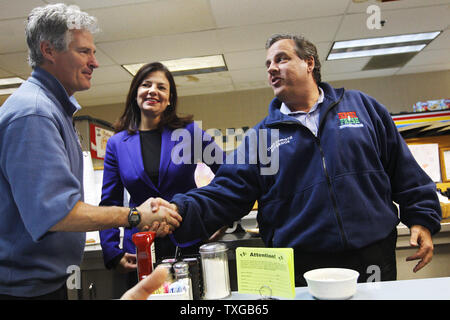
15,63
133,51
241,86
323,48
162,47
424,68
89,4
12,36
102,58
360,74
405,21
344,65
393,5
192,44
155,18
430,57
5,74
249,75
20,9
245,59
244,38
205,79
201,90
100,101
255,36
104,90
237,12
110,74
441,42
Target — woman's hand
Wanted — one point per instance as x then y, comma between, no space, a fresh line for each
127,263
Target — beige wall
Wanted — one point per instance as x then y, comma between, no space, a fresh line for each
246,108
400,93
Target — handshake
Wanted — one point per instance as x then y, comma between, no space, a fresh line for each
162,217
159,216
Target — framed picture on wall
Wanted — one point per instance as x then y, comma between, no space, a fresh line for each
99,137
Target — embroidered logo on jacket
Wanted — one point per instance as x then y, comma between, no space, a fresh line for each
349,120
278,143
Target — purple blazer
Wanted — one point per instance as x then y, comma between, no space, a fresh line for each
124,169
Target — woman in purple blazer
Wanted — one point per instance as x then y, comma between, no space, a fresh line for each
139,159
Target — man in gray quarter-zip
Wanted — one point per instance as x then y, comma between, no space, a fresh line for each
43,218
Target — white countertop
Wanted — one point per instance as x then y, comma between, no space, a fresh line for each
417,289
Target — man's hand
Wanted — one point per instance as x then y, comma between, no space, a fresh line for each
421,236
144,288
127,263
157,202
162,229
152,212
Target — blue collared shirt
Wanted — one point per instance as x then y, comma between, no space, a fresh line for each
308,119
41,180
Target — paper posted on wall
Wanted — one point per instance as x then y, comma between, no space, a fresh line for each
92,185
427,156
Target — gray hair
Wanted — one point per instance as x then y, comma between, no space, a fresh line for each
52,23
304,49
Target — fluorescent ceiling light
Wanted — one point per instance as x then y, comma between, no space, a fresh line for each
9,85
4,92
381,46
386,40
375,52
186,66
10,81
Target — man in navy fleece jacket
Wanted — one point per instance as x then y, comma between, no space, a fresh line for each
340,166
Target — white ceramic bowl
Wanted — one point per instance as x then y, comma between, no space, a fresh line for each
331,283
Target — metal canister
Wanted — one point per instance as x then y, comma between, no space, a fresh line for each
216,279
196,276
181,270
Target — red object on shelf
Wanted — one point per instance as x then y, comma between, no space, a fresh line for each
144,252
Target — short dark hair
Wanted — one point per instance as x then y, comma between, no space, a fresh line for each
304,49
131,116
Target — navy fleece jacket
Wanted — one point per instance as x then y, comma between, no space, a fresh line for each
332,192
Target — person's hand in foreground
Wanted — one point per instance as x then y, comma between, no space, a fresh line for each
144,288
421,237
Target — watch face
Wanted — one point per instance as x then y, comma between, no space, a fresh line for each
134,218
